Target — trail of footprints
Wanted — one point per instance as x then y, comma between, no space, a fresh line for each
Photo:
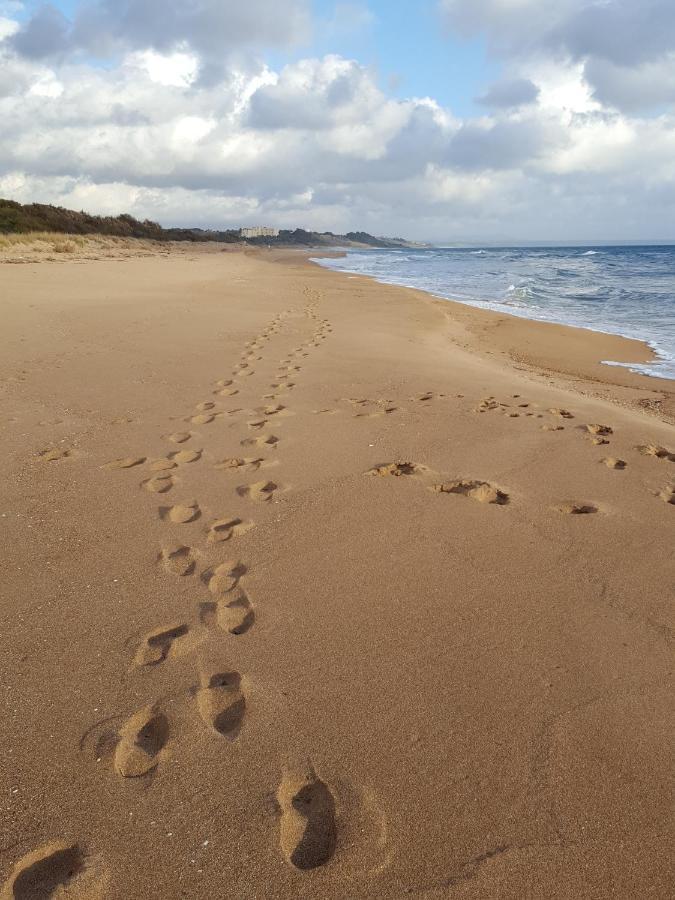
305,803
307,819
597,434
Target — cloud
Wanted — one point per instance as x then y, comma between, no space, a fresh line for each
45,34
317,94
214,29
625,46
509,94
562,149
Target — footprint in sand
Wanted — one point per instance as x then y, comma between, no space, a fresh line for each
612,462
205,406
667,494
162,465
576,509
397,469
598,429
482,491
257,423
225,576
486,404
203,419
186,456
657,451
225,529
157,644
307,825
221,702
58,869
179,437
226,392
250,464
234,613
552,427
182,513
51,454
159,484
261,491
563,413
265,440
178,560
382,411
126,462
141,742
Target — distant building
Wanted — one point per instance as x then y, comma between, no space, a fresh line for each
259,231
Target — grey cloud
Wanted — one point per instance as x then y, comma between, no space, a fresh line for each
503,145
646,87
625,32
314,94
212,28
509,94
45,34
285,106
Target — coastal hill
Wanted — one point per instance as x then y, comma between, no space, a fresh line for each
17,218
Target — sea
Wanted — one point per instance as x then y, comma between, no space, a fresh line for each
623,290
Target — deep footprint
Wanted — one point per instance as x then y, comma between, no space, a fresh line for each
261,491
234,613
307,827
46,872
396,469
183,512
236,462
221,703
126,462
481,491
224,577
577,509
142,740
178,560
157,644
224,529
265,440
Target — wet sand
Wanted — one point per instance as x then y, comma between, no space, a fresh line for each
317,588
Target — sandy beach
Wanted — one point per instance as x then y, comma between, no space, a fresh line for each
317,588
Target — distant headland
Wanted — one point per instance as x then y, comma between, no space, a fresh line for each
17,218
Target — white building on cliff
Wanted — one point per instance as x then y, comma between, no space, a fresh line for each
258,231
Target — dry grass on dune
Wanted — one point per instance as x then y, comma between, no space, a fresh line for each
41,245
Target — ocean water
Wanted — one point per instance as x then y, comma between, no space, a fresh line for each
628,291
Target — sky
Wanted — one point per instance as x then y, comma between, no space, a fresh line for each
439,120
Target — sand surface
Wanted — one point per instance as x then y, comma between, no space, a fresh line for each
314,588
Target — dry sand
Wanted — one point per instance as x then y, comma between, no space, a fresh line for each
314,588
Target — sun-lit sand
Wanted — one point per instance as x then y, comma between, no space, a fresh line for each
316,588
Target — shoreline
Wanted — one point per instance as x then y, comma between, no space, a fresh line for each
573,352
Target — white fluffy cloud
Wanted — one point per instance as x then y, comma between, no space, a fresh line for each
626,47
186,124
